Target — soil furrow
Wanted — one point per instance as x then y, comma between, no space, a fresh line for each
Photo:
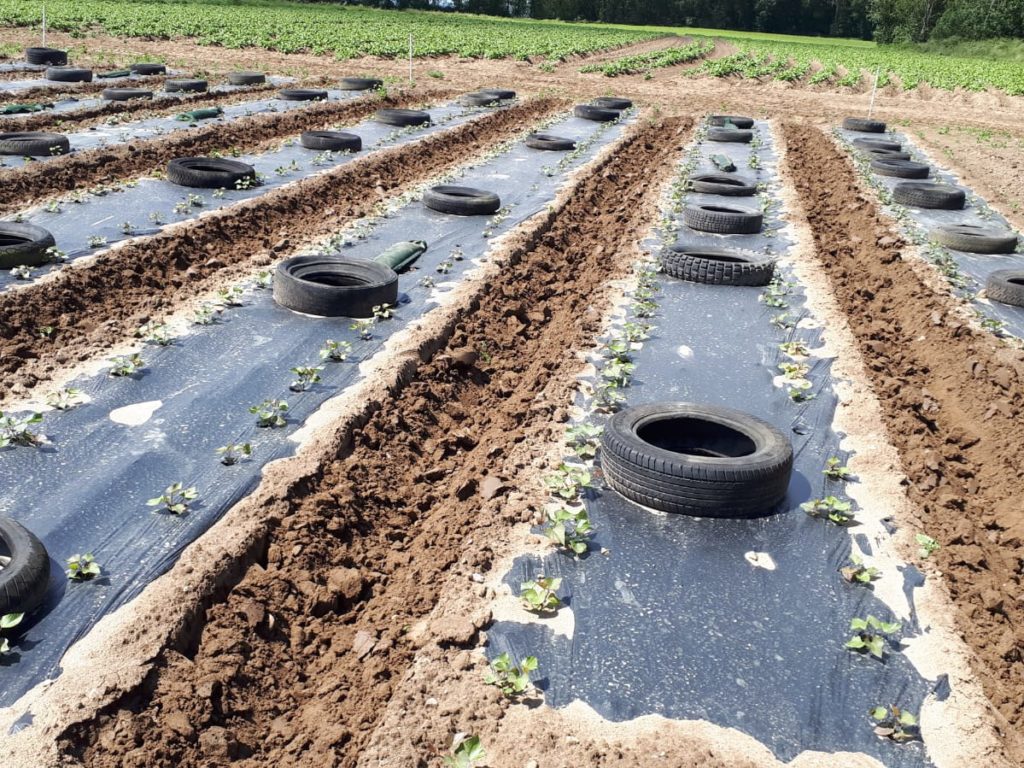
135,109
47,93
153,274
952,402
362,553
106,165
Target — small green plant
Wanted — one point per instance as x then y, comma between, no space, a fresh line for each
126,365
97,241
196,201
927,545
466,752
53,206
794,349
445,267
207,314
335,351
83,567
636,332
569,528
154,333
46,331
230,297
782,321
248,182
644,308
857,572
383,311
182,208
582,439
427,281
799,390
128,228
364,327
870,635
264,279
306,376
568,482
21,272
55,255
618,373
794,371
618,349
894,723
64,399
156,218
175,499
8,621
608,398
836,470
232,453
269,413
510,679
838,511
539,595
18,430
436,74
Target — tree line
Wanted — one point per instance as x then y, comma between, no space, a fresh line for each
887,21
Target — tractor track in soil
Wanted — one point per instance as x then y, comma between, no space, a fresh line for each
153,274
363,548
107,165
952,402
135,109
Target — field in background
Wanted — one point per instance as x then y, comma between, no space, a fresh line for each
349,32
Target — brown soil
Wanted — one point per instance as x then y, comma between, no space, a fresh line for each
135,109
952,401
296,665
154,273
992,161
63,90
108,165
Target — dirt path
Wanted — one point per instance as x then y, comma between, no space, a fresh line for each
155,273
356,560
951,397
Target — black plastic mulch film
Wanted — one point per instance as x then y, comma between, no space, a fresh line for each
87,490
674,620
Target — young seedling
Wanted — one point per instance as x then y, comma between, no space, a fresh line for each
64,399
782,321
175,499
364,327
635,332
427,281
8,621
794,349
538,596
335,351
857,572
156,218
83,567
53,206
582,440
510,679
569,529
445,267
927,545
97,241
383,311
466,752
568,482
618,373
306,376
618,349
18,431
799,390
264,279
839,512
196,201
207,314
269,413
21,272
794,371
55,255
836,470
154,333
46,331
894,723
608,398
230,297
232,453
126,365
644,308
870,637
182,208
128,228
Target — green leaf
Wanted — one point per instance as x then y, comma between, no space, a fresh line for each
529,664
9,620
858,624
155,502
906,718
855,643
879,713
876,646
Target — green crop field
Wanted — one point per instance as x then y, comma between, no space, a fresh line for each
347,32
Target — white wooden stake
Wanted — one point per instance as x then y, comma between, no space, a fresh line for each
410,59
878,72
44,26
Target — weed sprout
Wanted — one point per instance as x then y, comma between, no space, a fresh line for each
927,544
